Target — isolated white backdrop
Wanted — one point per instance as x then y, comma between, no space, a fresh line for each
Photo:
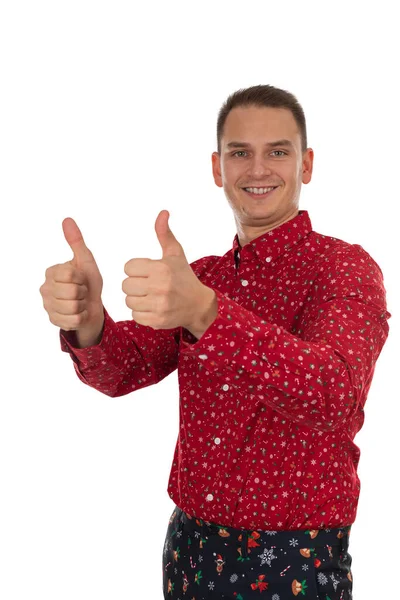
108,115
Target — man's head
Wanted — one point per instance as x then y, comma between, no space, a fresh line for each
248,122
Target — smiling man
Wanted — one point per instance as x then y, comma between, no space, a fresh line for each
274,365
262,148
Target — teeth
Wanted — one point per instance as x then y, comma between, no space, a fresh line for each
259,190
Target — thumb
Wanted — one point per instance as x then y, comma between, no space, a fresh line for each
168,242
76,242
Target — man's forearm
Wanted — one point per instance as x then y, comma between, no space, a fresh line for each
206,315
88,336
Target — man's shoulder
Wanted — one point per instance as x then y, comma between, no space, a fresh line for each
337,250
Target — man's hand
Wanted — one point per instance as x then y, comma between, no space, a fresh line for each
165,293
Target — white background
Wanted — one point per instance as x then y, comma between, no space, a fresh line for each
108,115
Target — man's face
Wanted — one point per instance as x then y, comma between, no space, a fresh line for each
261,165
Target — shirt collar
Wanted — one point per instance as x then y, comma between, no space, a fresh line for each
268,246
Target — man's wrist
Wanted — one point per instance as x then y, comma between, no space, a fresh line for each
206,314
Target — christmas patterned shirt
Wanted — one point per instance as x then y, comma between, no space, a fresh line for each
273,393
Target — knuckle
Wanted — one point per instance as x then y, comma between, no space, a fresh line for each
77,320
76,305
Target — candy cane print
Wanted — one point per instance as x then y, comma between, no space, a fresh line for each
284,570
167,565
191,564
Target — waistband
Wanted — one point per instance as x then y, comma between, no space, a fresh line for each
302,538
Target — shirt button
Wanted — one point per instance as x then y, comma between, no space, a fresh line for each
245,282
217,441
225,387
269,258
209,497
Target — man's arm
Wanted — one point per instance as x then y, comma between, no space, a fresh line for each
321,375
126,356
206,313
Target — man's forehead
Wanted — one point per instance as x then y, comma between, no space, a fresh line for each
268,118
261,126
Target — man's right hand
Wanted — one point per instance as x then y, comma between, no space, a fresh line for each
72,291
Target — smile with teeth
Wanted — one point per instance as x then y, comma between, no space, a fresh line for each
259,191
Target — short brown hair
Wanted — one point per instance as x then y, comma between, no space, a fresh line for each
263,95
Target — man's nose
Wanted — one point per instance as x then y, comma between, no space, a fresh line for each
259,165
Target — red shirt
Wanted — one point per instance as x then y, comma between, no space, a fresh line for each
273,393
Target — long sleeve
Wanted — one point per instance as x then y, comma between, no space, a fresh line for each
319,373
128,357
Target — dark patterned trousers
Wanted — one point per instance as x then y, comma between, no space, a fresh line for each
205,560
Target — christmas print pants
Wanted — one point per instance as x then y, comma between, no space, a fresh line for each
205,560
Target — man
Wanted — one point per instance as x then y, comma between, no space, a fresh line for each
273,372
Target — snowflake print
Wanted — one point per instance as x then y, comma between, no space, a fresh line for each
175,571
267,556
211,585
322,579
275,597
233,578
293,542
196,534
200,558
270,532
305,567
178,534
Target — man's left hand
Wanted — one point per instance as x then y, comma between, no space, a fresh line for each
165,293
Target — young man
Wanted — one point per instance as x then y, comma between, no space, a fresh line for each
273,379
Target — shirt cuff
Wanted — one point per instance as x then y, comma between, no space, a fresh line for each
223,341
91,355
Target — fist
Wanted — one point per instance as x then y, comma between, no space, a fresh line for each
72,291
165,293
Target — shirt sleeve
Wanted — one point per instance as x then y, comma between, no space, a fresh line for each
318,374
128,357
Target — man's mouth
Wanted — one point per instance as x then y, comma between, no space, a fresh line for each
259,193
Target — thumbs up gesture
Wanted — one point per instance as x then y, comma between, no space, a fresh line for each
166,293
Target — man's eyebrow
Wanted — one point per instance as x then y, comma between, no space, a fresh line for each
268,144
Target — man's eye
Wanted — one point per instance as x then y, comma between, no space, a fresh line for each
243,151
